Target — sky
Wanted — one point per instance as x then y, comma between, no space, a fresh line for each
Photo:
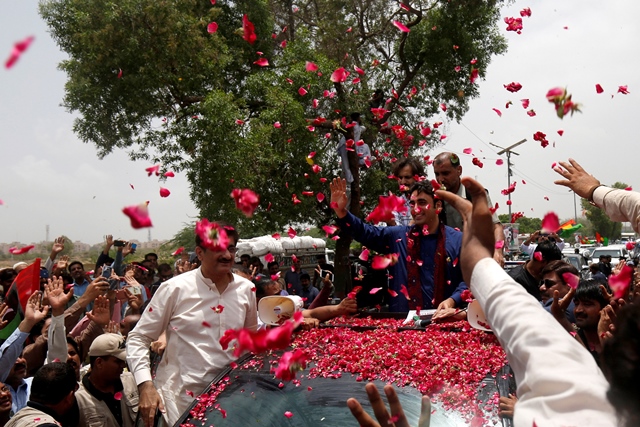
50,177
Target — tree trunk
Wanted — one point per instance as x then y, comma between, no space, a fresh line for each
342,266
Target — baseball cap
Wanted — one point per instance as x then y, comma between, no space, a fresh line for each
109,345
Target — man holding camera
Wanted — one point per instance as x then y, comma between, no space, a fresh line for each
528,248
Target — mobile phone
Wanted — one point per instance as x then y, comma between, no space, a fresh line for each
106,271
119,243
133,247
135,290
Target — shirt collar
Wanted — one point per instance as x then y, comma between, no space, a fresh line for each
97,393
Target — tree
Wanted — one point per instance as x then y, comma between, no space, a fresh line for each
525,225
149,78
600,221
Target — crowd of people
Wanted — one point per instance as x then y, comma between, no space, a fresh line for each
84,348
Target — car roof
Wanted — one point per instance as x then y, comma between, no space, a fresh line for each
344,355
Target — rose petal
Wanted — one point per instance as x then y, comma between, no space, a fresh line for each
399,25
550,223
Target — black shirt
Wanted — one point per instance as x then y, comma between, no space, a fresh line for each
108,398
522,276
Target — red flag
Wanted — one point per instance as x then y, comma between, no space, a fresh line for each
598,238
24,285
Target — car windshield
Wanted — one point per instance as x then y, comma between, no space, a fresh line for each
456,365
613,253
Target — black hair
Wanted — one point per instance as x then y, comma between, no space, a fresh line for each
422,187
416,166
590,290
272,263
305,276
228,228
74,263
57,376
164,267
355,116
621,365
73,344
452,157
245,256
152,254
549,251
261,282
559,267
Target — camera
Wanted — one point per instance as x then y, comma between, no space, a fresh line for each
119,243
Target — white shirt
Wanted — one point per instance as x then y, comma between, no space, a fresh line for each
559,383
620,205
530,249
183,307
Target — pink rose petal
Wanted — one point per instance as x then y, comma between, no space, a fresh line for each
399,25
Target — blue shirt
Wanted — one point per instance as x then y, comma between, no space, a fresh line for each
10,351
568,313
80,289
389,240
310,294
21,395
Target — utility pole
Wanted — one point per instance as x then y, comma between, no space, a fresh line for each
509,151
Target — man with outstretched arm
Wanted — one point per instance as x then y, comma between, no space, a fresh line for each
427,269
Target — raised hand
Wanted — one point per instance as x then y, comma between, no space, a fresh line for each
135,300
98,286
339,199
55,294
34,312
559,306
478,238
127,249
576,178
397,417
63,263
3,310
100,313
58,246
108,241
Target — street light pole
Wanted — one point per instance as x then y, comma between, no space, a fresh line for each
509,151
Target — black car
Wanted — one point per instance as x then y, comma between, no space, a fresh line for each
463,369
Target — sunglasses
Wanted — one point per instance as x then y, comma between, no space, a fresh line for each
547,283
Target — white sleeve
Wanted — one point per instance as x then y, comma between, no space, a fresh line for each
153,322
527,249
558,380
619,205
57,340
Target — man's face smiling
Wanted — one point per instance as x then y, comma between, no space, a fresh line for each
77,272
422,208
448,175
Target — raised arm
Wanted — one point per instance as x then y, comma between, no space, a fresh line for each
571,390
619,205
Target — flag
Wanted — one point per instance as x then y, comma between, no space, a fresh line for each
24,285
567,231
598,238
605,241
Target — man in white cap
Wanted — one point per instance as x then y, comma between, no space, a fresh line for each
108,396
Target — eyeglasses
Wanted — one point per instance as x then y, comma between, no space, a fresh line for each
547,283
232,249
5,390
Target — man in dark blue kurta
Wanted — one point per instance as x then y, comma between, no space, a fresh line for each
428,251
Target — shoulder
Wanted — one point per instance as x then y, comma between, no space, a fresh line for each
242,284
453,235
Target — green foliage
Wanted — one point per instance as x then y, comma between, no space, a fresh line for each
197,102
525,225
600,221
